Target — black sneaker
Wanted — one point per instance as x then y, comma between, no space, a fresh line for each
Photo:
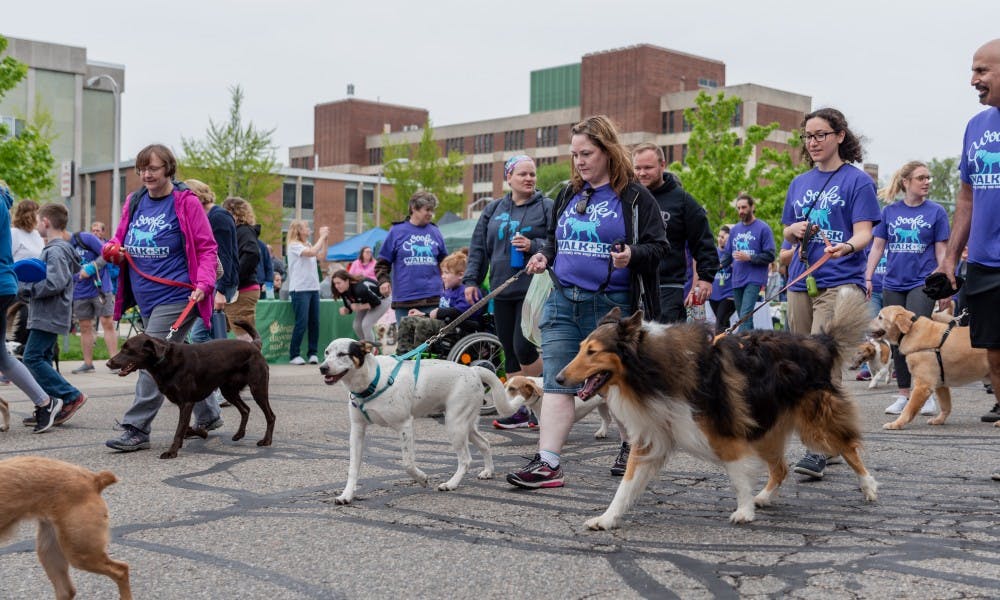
811,465
536,474
521,418
618,469
993,416
45,416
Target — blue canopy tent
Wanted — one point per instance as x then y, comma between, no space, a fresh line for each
351,247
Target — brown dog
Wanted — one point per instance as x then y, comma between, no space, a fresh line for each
878,354
187,373
72,518
920,340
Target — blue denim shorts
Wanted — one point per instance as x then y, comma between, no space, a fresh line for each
567,318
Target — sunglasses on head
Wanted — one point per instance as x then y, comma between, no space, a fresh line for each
584,201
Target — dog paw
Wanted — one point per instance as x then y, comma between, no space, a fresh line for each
446,487
342,500
169,454
601,433
997,424
869,487
485,474
602,523
742,515
893,425
764,498
7,427
238,436
938,420
264,442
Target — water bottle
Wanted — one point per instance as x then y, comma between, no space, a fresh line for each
516,256
811,287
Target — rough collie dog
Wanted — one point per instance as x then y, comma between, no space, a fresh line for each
732,401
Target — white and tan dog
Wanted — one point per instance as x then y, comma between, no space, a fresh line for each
528,391
878,354
440,385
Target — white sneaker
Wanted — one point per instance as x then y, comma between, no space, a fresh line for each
896,408
930,407
314,360
298,360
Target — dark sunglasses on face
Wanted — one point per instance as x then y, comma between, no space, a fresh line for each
584,201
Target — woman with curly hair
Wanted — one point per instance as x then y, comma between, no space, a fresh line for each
244,308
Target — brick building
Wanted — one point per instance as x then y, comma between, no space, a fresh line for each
643,88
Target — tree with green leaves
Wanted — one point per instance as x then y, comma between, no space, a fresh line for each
716,168
946,181
422,167
26,161
552,177
236,160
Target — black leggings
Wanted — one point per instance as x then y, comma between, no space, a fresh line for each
516,349
723,310
917,302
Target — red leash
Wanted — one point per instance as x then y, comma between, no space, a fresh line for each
187,309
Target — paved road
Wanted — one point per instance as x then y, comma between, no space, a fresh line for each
231,520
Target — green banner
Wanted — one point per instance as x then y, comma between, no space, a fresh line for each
275,322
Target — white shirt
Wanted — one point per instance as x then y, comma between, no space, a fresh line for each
26,245
303,273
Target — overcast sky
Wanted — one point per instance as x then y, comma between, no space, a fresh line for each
899,71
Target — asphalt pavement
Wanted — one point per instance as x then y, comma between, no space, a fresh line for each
231,520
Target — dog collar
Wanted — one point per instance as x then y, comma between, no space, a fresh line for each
368,391
359,400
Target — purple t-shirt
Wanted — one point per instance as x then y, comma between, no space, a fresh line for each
753,239
979,166
455,298
910,233
583,242
414,253
879,273
88,249
848,198
156,244
722,285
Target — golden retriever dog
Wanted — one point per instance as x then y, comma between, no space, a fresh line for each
878,354
936,361
72,518
733,401
527,391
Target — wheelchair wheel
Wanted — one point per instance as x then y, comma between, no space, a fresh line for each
483,350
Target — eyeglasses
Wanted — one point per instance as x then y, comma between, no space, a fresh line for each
819,136
927,178
150,169
584,201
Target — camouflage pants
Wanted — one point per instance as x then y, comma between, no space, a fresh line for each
414,331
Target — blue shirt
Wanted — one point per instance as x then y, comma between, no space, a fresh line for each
415,253
156,244
910,233
752,239
89,250
847,198
583,242
979,166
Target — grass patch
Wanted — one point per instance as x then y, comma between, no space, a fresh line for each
69,348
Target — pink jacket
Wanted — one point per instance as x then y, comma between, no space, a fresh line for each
199,247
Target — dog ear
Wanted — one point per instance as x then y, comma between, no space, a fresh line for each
630,328
367,347
358,351
614,315
902,322
156,347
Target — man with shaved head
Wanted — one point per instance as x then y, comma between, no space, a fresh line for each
977,212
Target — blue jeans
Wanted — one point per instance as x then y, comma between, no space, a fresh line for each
38,359
305,306
745,299
566,322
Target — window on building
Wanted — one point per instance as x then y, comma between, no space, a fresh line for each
482,172
454,145
513,140
350,211
684,152
374,156
307,199
484,143
738,115
670,154
705,82
12,127
685,124
547,136
93,199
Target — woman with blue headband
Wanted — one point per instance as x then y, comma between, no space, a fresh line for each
510,229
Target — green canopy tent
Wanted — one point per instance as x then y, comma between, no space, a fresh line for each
458,234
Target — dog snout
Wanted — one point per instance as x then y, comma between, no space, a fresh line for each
324,368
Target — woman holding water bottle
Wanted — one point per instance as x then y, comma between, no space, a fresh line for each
509,230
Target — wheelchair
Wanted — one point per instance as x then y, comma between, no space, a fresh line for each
473,345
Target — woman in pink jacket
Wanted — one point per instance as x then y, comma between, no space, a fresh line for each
167,237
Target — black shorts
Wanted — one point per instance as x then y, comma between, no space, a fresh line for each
982,293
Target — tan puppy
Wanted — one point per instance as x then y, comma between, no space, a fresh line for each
528,391
918,340
878,354
72,518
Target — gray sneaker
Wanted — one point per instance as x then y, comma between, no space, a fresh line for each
217,423
130,440
84,368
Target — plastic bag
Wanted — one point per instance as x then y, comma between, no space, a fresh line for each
531,310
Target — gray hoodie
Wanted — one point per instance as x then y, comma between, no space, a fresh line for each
50,301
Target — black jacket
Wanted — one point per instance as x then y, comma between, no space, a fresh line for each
362,292
224,229
687,226
645,236
247,253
